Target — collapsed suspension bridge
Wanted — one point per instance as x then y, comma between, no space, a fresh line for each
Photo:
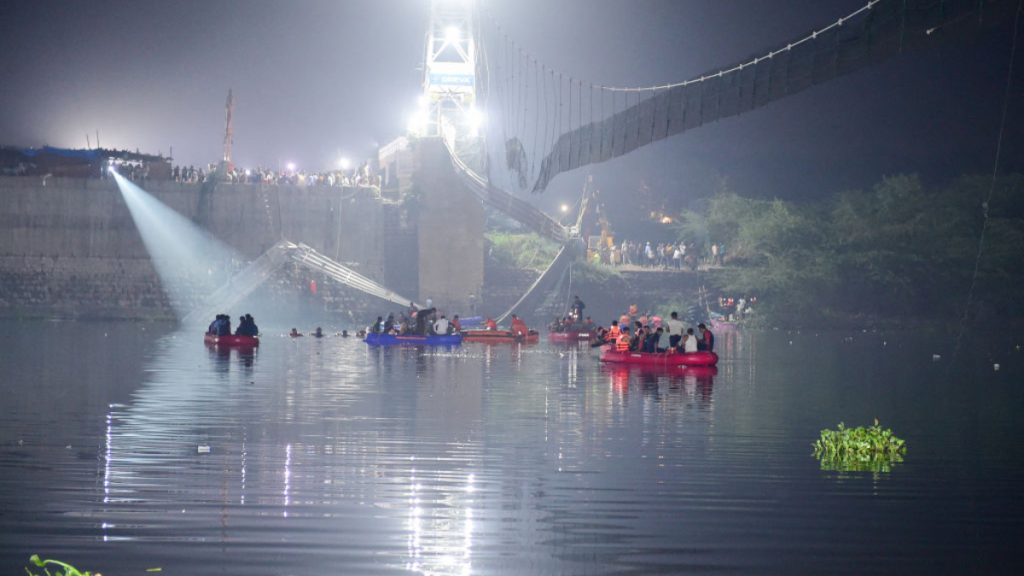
549,122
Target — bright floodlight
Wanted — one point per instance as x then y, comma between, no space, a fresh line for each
110,168
451,34
474,121
291,166
564,208
345,163
188,259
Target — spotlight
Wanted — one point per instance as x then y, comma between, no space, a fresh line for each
110,168
451,34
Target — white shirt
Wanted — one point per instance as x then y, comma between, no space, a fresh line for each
691,343
674,326
441,326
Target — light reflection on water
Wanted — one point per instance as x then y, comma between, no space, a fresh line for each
309,455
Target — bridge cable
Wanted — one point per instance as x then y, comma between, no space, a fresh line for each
987,206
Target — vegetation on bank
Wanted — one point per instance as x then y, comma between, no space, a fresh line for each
901,250
871,449
525,251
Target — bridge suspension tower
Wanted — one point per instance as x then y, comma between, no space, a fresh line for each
447,107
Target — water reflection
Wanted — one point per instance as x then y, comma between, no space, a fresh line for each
497,459
663,383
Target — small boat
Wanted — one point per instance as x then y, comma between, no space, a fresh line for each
570,336
721,325
235,341
414,340
672,370
499,336
668,360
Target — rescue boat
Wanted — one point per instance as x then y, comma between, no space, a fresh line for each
666,359
500,336
413,340
236,341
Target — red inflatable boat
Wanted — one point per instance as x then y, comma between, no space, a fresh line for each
499,336
659,358
235,341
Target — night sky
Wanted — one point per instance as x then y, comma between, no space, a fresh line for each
317,80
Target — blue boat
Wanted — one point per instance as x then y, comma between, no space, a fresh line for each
432,340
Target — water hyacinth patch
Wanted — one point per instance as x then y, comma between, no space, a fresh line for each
871,449
62,568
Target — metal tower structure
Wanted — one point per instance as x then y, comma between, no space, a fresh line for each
447,106
229,135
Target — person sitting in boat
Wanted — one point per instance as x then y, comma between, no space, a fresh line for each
224,327
214,327
706,342
456,325
613,333
689,342
622,342
389,324
652,339
636,344
246,326
519,327
295,333
490,324
441,326
376,326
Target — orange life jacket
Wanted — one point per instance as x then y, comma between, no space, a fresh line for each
622,343
613,334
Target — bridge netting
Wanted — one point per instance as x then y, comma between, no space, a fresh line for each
267,264
550,122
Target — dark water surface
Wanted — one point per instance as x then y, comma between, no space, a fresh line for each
329,457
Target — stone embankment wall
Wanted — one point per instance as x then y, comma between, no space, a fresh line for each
70,248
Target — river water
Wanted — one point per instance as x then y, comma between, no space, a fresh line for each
126,447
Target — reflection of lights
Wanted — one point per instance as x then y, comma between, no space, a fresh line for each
435,544
287,478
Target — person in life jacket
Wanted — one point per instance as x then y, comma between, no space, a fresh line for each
490,324
518,326
613,333
622,342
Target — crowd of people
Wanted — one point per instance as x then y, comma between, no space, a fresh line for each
574,321
363,176
416,322
664,255
651,334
